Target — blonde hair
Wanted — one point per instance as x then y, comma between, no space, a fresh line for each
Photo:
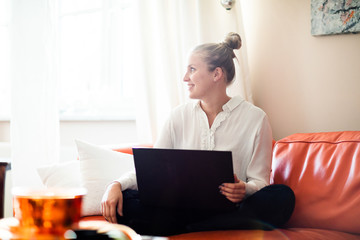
221,54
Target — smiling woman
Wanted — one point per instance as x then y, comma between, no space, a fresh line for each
215,121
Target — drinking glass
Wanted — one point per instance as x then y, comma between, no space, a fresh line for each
47,211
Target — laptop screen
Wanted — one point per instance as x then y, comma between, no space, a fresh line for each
175,178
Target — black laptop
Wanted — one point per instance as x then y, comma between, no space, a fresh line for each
183,179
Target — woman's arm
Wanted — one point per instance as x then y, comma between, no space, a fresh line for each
165,140
112,202
259,168
258,171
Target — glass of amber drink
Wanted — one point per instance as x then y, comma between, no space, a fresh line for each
47,211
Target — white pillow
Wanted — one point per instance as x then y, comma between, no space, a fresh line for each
60,175
99,166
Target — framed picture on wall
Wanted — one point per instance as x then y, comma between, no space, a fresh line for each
335,17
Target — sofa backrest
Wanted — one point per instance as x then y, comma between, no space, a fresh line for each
323,169
128,149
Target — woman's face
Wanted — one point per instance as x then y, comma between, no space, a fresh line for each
199,79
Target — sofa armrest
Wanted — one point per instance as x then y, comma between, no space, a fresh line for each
323,170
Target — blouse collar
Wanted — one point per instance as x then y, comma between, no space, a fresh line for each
227,107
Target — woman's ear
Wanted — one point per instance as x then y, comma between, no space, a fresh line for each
218,74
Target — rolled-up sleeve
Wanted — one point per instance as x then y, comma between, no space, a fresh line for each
128,181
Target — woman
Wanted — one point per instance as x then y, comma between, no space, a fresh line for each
215,122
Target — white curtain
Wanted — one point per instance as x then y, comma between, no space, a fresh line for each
34,114
169,30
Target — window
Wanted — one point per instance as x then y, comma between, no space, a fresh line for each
5,83
97,59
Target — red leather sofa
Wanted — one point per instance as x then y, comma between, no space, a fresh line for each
323,169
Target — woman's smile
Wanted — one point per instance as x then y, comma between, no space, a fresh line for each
190,86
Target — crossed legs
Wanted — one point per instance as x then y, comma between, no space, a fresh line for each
266,209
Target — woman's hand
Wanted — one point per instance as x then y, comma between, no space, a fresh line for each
112,197
235,192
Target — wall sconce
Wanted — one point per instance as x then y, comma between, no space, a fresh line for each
227,4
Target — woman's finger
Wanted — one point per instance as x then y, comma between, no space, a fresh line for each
234,197
235,192
233,187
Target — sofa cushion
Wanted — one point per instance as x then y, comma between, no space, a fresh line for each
323,169
60,175
99,166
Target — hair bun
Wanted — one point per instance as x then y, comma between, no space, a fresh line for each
233,40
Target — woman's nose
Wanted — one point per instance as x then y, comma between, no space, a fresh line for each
186,77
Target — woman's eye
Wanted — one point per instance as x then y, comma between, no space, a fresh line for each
192,69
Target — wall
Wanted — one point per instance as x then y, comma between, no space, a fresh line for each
4,131
304,83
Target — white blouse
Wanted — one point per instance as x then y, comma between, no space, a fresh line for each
240,128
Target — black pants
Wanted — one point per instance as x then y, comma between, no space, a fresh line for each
266,209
